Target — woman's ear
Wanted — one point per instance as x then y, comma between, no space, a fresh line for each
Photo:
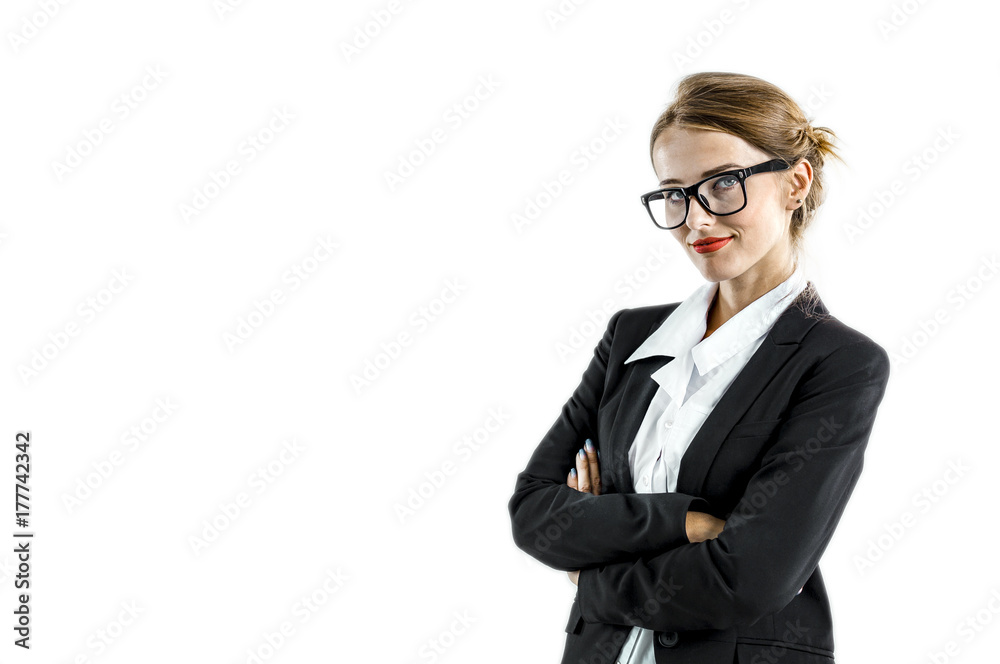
799,183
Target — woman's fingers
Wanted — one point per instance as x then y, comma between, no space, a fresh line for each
586,476
582,472
595,472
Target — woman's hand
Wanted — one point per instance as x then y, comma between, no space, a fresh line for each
586,477
701,526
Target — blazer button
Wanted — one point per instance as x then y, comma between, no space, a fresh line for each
668,639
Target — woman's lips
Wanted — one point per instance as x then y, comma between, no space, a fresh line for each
714,245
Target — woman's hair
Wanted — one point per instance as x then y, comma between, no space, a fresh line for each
761,114
764,116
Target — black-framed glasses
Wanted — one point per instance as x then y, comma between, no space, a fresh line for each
719,195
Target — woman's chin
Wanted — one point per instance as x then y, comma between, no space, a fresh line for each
712,271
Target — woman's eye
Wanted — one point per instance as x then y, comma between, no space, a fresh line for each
726,182
674,197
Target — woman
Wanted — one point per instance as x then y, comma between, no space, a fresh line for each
717,440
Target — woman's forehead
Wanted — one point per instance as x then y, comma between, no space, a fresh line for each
686,154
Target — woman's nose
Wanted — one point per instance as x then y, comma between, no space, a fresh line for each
697,216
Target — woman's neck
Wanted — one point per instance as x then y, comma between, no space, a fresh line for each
732,303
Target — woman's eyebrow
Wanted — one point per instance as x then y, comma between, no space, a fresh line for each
711,171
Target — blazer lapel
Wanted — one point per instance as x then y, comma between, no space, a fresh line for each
636,397
779,344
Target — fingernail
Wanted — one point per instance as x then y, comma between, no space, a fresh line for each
589,446
583,455
572,472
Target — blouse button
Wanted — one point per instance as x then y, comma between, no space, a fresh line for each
668,424
645,480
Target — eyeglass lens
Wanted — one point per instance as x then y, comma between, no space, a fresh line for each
721,195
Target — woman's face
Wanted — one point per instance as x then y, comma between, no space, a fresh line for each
760,248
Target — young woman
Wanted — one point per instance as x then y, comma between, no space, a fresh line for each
694,478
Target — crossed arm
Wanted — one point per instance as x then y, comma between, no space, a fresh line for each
567,529
628,550
585,476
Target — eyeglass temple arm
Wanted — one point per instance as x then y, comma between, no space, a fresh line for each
767,167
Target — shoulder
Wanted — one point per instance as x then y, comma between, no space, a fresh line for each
837,346
629,327
649,316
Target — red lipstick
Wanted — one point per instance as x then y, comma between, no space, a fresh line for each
709,244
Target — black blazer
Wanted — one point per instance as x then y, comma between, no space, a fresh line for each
777,458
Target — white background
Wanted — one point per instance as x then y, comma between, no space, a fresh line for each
522,296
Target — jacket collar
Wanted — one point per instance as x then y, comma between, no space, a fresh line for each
779,344
684,328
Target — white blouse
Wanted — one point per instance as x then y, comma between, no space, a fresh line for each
690,386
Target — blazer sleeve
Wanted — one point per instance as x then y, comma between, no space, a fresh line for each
567,529
773,541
